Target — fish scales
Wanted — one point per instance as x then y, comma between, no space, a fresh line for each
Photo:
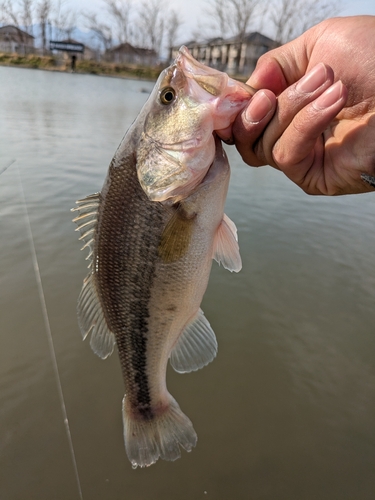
155,228
127,254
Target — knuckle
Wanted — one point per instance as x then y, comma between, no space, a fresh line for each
299,127
280,155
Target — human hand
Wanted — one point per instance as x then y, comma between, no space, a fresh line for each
322,134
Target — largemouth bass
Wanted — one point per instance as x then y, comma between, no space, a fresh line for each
153,232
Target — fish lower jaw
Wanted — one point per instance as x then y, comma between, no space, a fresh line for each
176,191
183,146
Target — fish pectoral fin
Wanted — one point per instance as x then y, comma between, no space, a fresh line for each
196,346
226,249
91,319
175,239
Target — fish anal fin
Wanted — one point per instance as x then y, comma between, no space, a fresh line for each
175,239
91,319
226,249
196,346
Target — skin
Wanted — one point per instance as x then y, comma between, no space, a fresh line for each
314,118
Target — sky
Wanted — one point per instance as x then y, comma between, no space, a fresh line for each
192,12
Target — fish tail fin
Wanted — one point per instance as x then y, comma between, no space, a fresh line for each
157,436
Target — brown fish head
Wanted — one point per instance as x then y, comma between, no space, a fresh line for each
189,102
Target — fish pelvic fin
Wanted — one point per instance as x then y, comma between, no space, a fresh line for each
226,249
90,313
158,436
196,346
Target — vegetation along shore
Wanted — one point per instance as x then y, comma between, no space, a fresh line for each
52,63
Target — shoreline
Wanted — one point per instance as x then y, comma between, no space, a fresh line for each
86,67
83,67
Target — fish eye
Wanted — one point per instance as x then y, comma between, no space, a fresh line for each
167,95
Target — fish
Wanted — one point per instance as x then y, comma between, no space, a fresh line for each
152,233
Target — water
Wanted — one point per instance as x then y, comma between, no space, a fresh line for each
286,411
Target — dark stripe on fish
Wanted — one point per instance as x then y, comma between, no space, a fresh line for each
129,233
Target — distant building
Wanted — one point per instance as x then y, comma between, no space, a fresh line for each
232,55
128,54
13,39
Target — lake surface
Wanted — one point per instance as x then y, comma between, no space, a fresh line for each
285,412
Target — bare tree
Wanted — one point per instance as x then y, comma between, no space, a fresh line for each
173,24
44,13
27,15
293,17
120,12
244,12
102,31
116,25
151,24
8,14
66,24
65,20
20,14
233,17
218,13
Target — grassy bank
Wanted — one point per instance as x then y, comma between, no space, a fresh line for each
91,67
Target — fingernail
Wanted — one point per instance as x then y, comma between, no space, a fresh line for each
313,80
329,97
259,107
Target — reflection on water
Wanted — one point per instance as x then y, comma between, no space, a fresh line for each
286,411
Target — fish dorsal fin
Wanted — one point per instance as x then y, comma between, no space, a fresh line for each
196,346
86,221
226,249
176,236
90,313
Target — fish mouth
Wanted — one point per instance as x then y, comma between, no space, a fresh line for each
210,79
